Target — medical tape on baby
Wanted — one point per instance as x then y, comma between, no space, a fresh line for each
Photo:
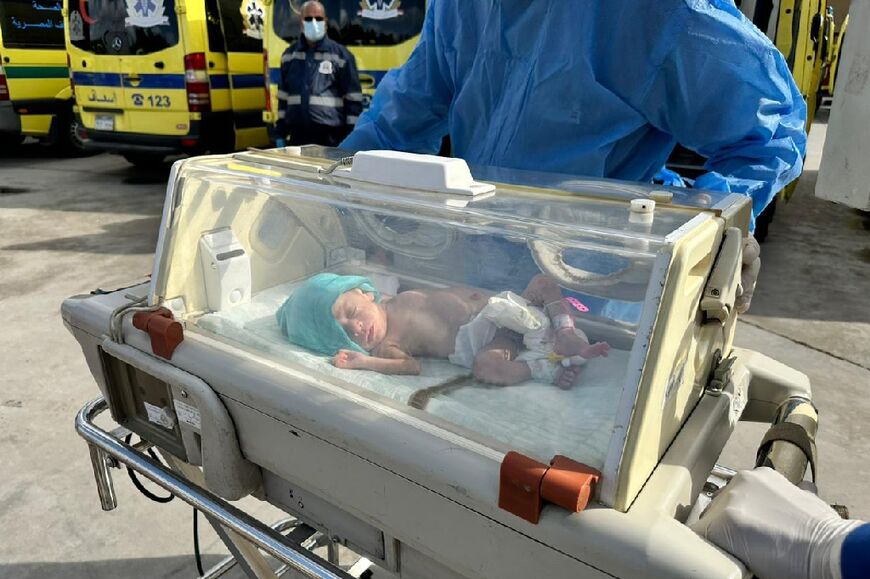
559,314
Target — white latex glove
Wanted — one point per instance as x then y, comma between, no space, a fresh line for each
778,530
749,273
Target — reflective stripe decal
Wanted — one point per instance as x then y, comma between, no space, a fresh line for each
292,56
329,56
37,72
292,99
248,81
96,78
282,95
144,81
351,120
219,81
281,114
326,101
354,96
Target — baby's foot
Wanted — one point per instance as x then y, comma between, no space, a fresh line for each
567,376
595,350
568,343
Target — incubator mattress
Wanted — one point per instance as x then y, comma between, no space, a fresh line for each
520,416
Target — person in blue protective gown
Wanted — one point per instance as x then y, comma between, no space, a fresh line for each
600,89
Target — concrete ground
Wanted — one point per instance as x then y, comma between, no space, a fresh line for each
72,225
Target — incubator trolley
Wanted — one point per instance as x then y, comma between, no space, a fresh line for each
437,473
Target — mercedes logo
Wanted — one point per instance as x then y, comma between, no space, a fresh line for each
117,44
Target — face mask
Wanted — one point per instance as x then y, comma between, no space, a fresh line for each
314,30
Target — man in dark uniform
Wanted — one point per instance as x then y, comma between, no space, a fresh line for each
319,95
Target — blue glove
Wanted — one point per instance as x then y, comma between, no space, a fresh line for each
280,143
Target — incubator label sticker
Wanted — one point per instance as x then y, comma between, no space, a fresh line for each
156,415
188,414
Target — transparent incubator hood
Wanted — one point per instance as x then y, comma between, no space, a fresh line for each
463,290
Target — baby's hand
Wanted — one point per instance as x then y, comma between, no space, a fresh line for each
349,360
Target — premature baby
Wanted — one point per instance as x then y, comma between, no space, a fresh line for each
345,317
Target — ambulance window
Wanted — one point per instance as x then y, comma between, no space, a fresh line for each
375,22
123,27
357,22
242,25
31,23
213,27
285,19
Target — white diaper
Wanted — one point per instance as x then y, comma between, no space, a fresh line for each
508,310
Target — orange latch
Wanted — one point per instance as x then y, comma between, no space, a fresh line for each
526,483
164,331
519,490
569,483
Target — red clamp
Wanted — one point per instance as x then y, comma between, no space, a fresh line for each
161,327
526,483
519,490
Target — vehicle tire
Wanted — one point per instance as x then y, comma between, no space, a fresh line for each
67,136
149,161
9,140
762,223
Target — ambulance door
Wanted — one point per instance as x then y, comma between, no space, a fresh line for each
242,23
129,63
221,133
153,64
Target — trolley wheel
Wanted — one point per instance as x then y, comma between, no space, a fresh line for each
8,140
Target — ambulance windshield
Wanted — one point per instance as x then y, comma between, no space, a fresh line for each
121,27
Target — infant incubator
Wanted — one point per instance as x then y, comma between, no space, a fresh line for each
437,474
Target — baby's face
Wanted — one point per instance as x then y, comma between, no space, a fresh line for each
362,319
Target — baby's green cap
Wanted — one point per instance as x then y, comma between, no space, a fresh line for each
306,316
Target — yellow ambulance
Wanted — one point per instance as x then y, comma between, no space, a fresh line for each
830,77
154,78
379,33
35,96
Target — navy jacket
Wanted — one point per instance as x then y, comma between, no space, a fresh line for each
319,85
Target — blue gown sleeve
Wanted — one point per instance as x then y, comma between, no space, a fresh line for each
409,110
724,91
855,554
